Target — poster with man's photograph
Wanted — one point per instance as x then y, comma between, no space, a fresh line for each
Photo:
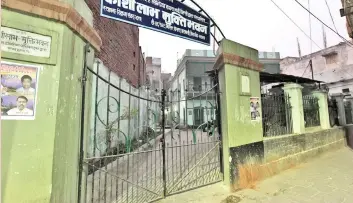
255,108
19,83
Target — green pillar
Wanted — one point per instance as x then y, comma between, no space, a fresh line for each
338,97
294,92
323,111
40,157
239,84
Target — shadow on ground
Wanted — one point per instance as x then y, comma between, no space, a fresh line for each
325,179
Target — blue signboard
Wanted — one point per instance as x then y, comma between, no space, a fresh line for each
168,16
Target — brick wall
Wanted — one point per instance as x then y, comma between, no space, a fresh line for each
120,51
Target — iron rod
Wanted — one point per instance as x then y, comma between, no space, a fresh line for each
95,128
118,148
82,122
163,143
107,137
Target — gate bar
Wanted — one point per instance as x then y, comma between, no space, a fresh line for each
82,121
163,143
181,179
107,172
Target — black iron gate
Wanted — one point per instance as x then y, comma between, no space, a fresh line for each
131,156
333,112
348,112
193,142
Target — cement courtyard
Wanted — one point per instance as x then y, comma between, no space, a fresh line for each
326,179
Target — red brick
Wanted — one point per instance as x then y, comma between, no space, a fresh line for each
120,51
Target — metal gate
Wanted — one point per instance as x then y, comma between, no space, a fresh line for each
193,142
131,156
348,112
333,112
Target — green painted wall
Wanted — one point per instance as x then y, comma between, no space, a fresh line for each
237,127
40,157
240,129
67,134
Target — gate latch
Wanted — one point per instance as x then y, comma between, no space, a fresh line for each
82,79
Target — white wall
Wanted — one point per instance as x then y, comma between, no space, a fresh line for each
126,101
179,79
323,70
157,72
337,87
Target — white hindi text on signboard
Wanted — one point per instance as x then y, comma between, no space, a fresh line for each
23,42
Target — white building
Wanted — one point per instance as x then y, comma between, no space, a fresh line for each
191,76
333,65
191,79
154,72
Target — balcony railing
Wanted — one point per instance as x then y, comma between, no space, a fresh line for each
195,90
198,88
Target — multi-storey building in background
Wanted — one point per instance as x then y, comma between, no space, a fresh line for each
154,73
191,79
333,65
166,80
271,61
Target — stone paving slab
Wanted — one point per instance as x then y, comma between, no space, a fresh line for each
326,179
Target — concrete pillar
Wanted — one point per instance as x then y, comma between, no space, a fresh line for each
40,157
338,97
350,99
323,111
296,100
239,84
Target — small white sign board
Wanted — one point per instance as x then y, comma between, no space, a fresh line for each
23,42
245,84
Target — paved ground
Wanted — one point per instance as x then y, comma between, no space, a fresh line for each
327,179
138,177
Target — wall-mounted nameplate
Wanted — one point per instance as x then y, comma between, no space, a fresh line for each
245,84
26,43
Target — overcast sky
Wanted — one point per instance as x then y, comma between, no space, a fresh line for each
255,23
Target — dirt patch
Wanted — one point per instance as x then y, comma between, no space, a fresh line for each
251,174
231,199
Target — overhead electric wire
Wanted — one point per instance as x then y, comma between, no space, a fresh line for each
311,44
295,23
329,10
349,43
344,39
